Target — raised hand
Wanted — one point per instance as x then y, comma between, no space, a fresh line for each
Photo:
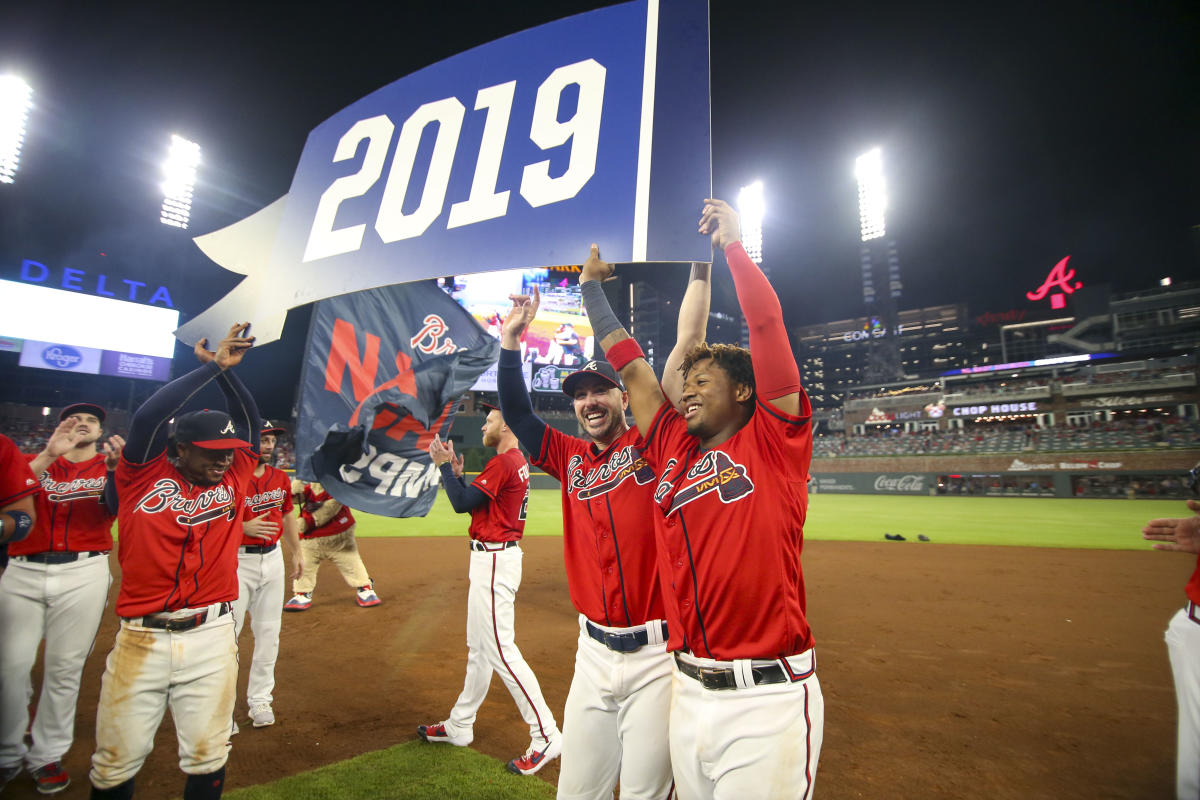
520,317
594,269
439,453
1175,535
456,460
721,222
233,347
63,440
112,451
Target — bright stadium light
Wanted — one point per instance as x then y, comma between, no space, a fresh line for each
179,180
752,209
16,98
872,193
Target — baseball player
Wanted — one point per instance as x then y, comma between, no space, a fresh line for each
1183,646
266,516
732,460
496,501
180,527
55,588
327,532
615,721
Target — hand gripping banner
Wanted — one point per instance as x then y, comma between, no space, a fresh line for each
383,373
518,153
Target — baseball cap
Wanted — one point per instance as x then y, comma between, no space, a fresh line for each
82,408
598,369
488,406
212,430
271,427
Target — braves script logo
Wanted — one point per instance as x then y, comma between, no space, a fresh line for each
714,472
624,462
66,491
1060,277
429,338
209,505
266,501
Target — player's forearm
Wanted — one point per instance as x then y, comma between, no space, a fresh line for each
41,463
291,532
148,428
243,410
775,370
109,498
463,498
645,395
515,404
691,328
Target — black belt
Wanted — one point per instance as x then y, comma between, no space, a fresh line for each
724,678
60,556
626,642
166,623
259,549
490,547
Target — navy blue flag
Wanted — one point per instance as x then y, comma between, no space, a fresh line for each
383,374
515,154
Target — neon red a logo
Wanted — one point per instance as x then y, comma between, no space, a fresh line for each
1061,278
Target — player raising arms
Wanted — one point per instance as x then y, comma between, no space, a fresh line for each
615,721
180,527
55,588
732,461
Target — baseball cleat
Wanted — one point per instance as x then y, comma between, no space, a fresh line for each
893,537
437,733
366,597
51,778
301,602
261,715
534,759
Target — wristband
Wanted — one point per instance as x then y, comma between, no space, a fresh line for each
24,523
623,352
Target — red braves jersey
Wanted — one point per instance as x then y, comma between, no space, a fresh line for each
16,481
315,497
178,541
70,514
608,527
505,480
271,494
731,532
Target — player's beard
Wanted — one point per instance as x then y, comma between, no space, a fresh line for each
611,426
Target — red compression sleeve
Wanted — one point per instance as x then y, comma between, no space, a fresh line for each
773,376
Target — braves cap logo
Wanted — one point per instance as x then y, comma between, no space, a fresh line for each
592,365
228,428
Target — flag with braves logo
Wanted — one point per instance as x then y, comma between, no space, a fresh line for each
383,373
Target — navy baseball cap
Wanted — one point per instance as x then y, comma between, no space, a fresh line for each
595,369
82,408
212,430
272,428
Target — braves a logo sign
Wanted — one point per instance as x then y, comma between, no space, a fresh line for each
714,472
1059,278
211,504
66,491
622,464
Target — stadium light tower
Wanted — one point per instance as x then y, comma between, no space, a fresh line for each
872,194
16,98
752,209
179,181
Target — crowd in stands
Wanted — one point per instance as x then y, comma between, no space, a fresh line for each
1124,376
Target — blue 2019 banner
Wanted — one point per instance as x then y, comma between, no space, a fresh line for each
383,374
518,153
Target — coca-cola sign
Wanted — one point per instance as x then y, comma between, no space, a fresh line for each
911,484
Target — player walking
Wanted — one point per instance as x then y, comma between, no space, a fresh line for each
266,515
747,715
180,528
327,532
496,501
615,721
56,587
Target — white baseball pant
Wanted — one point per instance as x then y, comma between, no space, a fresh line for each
615,722
194,672
744,743
1183,647
495,577
62,603
260,591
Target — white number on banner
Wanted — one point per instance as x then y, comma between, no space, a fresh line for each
581,130
323,240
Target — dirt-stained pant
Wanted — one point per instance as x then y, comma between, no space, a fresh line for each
342,550
194,672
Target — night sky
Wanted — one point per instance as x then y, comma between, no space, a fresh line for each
1012,136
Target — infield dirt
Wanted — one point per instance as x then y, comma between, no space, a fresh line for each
948,671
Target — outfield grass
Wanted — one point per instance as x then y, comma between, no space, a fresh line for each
409,771
1019,521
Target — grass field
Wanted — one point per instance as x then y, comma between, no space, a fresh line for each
1017,521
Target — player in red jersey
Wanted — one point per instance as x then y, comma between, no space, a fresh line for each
732,461
615,721
180,526
55,588
327,532
496,501
266,516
